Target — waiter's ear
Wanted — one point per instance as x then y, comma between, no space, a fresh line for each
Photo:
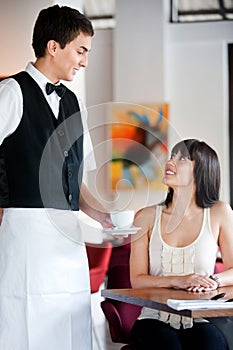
52,47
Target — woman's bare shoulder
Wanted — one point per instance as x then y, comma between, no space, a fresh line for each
222,213
221,207
146,210
145,216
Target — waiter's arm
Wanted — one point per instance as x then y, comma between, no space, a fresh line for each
93,208
11,111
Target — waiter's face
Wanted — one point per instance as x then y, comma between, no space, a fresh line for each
67,61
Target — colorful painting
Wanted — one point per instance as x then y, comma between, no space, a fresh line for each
139,145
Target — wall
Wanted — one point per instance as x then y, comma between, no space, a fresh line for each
99,92
197,86
136,57
182,64
139,51
17,21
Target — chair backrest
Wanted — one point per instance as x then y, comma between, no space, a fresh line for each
120,316
219,266
98,258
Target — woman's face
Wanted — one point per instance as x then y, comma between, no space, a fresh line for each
179,171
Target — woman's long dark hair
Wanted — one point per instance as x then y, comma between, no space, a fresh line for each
206,171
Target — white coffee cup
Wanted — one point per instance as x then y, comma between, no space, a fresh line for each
122,219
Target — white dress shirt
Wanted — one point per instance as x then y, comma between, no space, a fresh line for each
11,110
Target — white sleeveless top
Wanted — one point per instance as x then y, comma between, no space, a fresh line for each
165,260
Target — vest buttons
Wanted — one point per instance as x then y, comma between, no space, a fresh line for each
70,173
66,153
60,133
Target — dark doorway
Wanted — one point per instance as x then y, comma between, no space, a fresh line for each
230,69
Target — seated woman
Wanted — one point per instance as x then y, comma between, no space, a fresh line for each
177,248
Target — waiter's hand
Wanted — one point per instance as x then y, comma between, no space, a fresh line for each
1,214
106,221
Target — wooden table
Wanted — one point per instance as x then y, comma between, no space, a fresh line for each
156,298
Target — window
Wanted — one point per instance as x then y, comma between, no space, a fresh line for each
201,10
100,12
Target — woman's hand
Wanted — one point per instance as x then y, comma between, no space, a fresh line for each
195,283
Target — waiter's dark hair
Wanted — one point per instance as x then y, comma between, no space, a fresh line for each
206,171
62,24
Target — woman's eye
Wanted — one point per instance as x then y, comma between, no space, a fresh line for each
182,158
80,52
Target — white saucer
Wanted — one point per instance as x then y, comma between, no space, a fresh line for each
122,231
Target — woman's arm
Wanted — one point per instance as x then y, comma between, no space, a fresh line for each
139,254
222,215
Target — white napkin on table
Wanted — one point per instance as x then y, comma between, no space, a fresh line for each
198,304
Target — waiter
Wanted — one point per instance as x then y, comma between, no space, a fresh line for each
44,148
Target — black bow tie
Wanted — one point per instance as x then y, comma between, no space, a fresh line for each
60,89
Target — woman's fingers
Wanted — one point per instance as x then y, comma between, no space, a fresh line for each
199,283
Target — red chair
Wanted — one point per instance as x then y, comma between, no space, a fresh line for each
98,258
120,316
219,266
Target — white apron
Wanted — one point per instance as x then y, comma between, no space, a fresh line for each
44,282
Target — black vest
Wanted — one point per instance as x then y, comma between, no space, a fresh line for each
41,163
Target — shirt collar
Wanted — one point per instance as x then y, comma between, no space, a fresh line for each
40,78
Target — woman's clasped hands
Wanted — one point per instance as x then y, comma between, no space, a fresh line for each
195,283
